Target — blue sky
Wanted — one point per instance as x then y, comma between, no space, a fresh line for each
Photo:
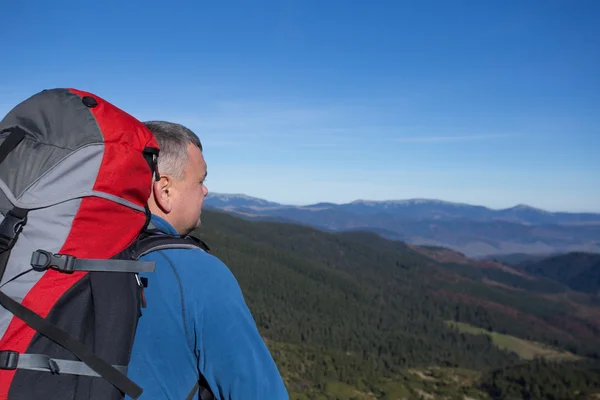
485,102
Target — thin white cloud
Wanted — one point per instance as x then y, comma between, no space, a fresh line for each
454,138
237,123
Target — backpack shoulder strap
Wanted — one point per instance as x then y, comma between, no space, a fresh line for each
10,228
163,242
155,240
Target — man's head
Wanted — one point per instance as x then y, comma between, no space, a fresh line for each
179,194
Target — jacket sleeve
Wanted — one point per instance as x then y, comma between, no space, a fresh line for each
231,354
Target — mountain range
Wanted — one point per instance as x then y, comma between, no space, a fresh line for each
474,230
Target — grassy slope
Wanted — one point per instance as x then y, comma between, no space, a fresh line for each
525,349
296,363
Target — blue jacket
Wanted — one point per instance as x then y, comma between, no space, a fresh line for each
197,321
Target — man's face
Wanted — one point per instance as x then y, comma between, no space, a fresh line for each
189,192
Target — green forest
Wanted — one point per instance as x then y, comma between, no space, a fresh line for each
355,316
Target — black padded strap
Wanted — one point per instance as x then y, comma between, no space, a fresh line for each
52,332
156,241
14,138
153,239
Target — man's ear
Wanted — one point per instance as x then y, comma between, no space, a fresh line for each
162,191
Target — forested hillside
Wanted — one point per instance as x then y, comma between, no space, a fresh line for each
351,314
579,271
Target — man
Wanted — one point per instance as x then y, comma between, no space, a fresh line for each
196,324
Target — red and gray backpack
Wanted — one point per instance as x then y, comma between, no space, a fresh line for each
75,177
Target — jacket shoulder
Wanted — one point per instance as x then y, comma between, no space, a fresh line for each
195,265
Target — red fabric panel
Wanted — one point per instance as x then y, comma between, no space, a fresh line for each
125,172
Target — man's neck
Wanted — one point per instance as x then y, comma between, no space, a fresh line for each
163,224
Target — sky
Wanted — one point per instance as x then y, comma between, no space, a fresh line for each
494,103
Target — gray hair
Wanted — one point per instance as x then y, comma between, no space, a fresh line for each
173,140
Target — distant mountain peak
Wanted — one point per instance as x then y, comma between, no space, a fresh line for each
225,196
323,204
415,201
525,207
233,197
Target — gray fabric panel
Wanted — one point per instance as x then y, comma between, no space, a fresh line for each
20,168
46,229
58,123
74,176
40,362
6,200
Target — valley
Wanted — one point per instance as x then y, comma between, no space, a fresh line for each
353,315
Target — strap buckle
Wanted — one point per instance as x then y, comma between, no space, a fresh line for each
10,228
9,359
41,260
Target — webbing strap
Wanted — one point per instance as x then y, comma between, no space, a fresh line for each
14,138
113,265
205,393
42,260
41,362
193,391
10,228
52,332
